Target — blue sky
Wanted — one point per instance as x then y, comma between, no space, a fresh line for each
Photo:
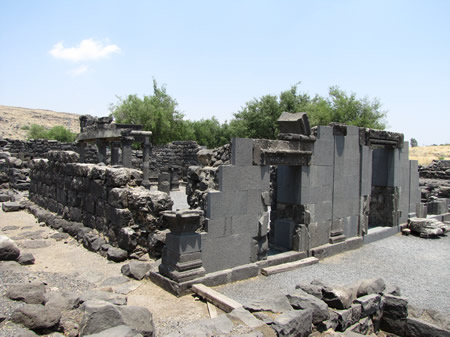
213,56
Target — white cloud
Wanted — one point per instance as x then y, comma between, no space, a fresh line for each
79,70
87,50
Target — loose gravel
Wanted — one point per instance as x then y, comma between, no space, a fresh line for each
420,267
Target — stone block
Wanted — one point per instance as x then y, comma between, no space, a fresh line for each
242,151
226,252
244,272
319,233
222,204
370,304
184,244
242,224
242,178
418,328
219,227
294,323
321,211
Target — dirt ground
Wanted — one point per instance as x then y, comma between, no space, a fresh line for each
68,258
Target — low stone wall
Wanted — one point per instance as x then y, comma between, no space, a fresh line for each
105,199
438,169
14,172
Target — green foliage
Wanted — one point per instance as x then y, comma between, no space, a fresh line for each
414,142
59,133
25,127
257,119
157,113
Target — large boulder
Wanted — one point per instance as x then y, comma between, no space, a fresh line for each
116,254
374,286
136,270
31,293
275,304
8,249
101,315
301,300
428,228
294,323
36,316
337,297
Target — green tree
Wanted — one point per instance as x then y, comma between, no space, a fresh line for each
59,133
414,142
157,113
258,118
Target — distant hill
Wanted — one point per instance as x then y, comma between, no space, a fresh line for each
14,119
426,154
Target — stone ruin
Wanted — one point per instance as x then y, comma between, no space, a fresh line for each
256,203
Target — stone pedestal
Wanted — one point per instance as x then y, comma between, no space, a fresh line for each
182,255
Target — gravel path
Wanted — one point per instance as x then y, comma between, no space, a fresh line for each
420,267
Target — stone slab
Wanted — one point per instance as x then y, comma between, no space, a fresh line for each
243,178
219,300
289,266
241,151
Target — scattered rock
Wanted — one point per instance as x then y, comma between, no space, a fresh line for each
60,236
8,249
294,323
26,259
36,316
101,315
274,304
31,293
116,254
100,295
34,244
135,269
301,300
427,228
337,297
312,289
9,228
367,287
117,331
11,206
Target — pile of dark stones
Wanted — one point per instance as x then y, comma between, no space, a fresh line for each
316,309
14,172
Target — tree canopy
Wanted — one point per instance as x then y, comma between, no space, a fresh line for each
256,119
58,132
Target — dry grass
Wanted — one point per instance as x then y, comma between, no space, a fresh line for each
426,154
13,119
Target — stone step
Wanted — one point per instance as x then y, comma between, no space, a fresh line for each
337,239
289,266
336,232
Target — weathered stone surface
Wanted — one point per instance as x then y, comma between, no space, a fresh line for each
218,326
11,206
312,289
302,300
246,317
136,270
8,249
337,297
374,286
294,323
428,228
100,295
26,259
58,301
274,304
93,242
395,307
418,328
31,293
101,315
369,303
36,316
117,331
116,254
